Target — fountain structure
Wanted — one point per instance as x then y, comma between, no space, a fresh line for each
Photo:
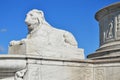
52,54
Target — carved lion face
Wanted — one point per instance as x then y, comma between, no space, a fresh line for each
33,18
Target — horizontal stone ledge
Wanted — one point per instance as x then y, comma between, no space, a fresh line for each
31,57
11,63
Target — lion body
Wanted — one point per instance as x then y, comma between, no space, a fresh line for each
45,40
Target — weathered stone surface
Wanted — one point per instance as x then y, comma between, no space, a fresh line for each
10,64
37,68
46,41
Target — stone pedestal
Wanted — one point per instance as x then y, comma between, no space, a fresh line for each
109,22
47,51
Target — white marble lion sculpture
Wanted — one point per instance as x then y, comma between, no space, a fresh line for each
42,38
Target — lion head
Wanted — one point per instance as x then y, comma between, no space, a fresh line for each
34,18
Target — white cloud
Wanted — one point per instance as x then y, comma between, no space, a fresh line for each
3,30
1,49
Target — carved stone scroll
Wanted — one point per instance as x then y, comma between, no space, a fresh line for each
19,75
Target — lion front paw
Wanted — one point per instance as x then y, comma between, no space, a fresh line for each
23,41
14,43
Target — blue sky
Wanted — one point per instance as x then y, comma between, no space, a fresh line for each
76,16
